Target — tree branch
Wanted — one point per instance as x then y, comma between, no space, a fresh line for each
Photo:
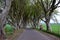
58,6
42,20
58,2
43,6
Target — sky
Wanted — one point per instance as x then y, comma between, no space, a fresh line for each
57,16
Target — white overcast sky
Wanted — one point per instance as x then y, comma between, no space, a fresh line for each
57,16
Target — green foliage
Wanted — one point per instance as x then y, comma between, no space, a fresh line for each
55,28
51,33
26,10
8,29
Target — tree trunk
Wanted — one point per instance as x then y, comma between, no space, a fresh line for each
18,26
3,15
2,24
2,35
24,23
48,26
34,23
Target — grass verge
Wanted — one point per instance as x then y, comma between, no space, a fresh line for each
15,34
51,33
57,35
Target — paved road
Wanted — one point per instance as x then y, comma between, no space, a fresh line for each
33,35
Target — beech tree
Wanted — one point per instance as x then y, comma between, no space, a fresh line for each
3,13
48,8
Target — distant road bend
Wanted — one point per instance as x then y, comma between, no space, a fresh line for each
30,34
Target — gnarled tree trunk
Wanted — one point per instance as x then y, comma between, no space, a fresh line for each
3,15
48,26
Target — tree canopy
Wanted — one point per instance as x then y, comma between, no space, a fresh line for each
20,12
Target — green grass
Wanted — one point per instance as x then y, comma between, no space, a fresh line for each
8,29
55,28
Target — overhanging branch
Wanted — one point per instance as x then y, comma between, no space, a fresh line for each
43,6
43,20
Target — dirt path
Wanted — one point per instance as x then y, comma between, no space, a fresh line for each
34,35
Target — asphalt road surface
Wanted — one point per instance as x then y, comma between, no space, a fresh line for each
30,34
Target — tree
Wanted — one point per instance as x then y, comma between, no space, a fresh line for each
48,8
17,13
3,15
